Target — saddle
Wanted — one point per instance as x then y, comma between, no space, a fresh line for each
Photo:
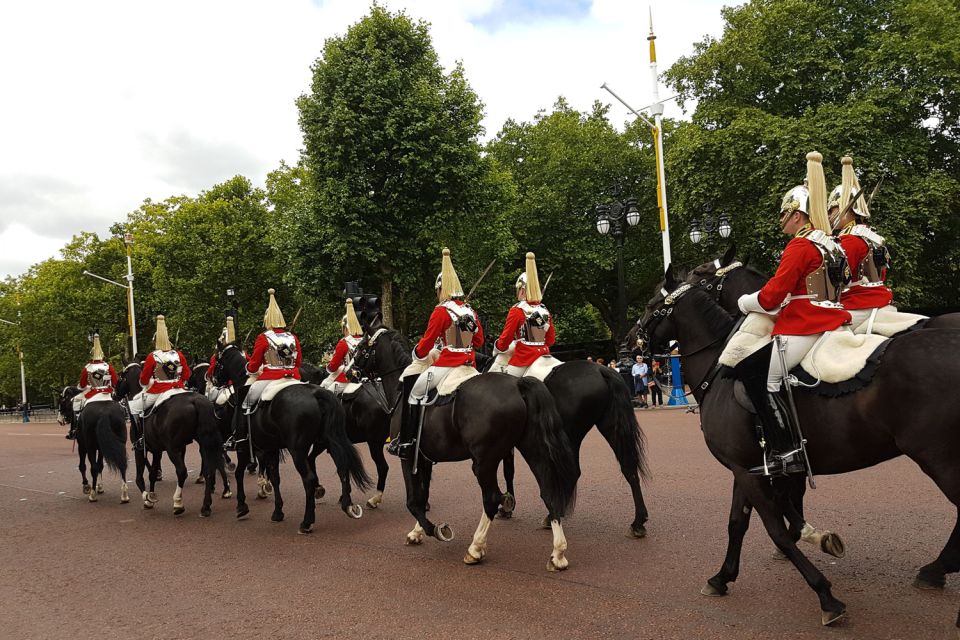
889,322
260,393
163,397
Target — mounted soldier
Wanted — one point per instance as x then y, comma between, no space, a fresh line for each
865,249
805,295
98,377
528,332
228,338
276,357
446,349
342,359
165,369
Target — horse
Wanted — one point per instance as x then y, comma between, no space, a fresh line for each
305,420
224,416
180,420
586,395
843,434
472,427
127,387
101,436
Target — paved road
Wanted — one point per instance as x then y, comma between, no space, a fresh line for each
71,569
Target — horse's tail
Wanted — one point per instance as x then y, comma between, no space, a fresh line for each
559,470
629,444
112,438
209,438
344,454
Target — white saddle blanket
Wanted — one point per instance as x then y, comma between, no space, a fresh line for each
79,401
219,395
273,387
456,377
166,395
539,369
839,355
887,322
418,365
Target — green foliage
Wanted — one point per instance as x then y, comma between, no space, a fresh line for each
878,79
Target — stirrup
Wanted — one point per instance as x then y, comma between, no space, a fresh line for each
788,464
232,442
403,450
71,435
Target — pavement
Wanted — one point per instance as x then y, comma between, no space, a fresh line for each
74,569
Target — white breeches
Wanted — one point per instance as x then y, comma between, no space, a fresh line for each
427,382
794,350
254,393
143,402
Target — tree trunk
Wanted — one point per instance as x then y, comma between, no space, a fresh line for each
386,297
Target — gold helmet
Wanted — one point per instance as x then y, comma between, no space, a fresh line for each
96,353
229,334
273,317
162,339
529,281
448,284
350,322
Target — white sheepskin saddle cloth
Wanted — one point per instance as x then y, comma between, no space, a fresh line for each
166,395
456,377
100,397
276,386
889,322
753,335
840,355
540,369
418,365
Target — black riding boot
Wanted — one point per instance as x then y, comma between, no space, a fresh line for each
240,421
781,449
403,445
72,434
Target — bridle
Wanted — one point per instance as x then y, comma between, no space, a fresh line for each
714,283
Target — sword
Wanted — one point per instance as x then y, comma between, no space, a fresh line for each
295,318
546,284
479,280
423,412
781,349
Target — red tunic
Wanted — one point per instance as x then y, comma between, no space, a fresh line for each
212,367
438,324
159,386
858,296
523,354
92,392
339,355
799,318
272,373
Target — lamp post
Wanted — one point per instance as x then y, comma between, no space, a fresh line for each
23,377
613,219
131,314
708,224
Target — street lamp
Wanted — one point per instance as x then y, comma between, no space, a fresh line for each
23,377
131,314
700,229
614,219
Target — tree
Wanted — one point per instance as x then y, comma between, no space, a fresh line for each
393,154
877,79
562,164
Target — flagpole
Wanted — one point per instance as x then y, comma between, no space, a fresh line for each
656,109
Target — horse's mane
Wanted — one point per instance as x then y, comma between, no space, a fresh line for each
400,347
716,317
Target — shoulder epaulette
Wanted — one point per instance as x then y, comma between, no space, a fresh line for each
863,231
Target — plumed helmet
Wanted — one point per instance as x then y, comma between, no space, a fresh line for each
817,189
273,317
96,353
448,283
529,280
796,199
162,339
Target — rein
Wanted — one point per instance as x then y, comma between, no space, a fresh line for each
379,396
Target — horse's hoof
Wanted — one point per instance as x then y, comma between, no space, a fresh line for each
711,591
355,511
92,496
268,488
242,511
152,497
148,505
227,494
414,539
443,532
261,494
545,523
779,555
470,559
829,617
99,488
319,492
231,467
277,517
252,468
506,515
375,501
508,503
637,531
928,585
557,565
205,512
178,511
124,499
86,489
304,530
831,544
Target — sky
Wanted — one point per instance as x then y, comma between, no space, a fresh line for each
109,102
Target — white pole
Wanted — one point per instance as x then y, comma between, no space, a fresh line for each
23,381
128,240
656,109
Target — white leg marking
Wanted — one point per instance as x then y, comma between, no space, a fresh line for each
810,534
376,500
478,548
178,497
558,558
415,536
124,495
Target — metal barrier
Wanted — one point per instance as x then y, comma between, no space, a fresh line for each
36,415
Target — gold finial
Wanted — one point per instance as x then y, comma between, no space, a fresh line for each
651,38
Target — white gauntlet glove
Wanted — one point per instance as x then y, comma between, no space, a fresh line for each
750,303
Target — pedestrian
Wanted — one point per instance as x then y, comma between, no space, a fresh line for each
589,358
601,362
612,365
640,371
656,395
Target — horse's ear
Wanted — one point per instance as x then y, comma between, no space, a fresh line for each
669,280
729,255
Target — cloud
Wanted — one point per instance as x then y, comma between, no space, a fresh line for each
116,101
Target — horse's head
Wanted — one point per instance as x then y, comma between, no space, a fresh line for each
129,381
655,328
312,374
369,313
381,353
65,404
231,366
197,381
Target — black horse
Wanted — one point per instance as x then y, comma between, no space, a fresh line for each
172,426
224,416
305,420
101,437
489,416
843,434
